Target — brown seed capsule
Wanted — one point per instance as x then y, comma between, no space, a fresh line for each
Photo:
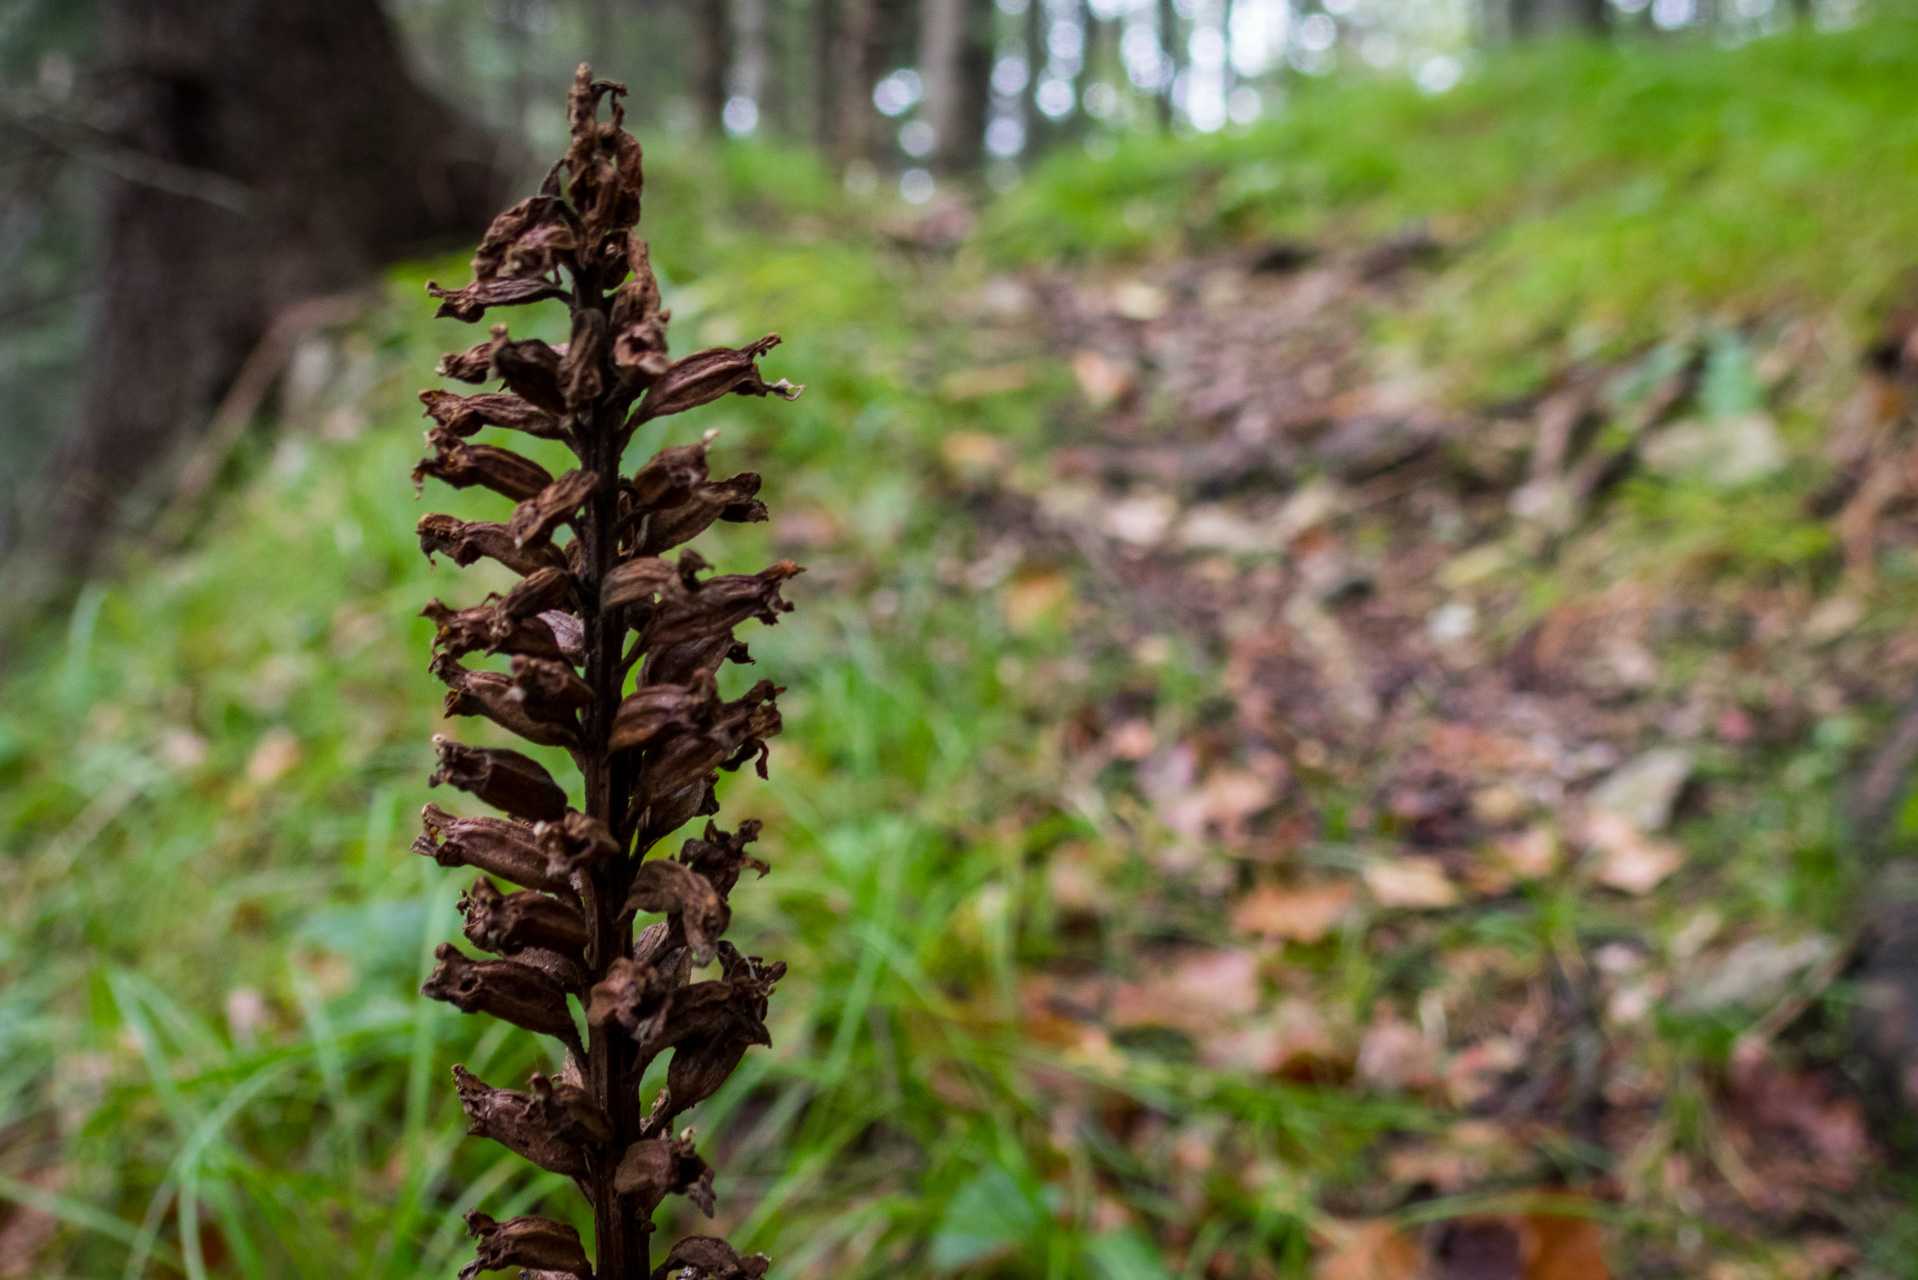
573,844
658,1167
497,846
705,376
720,857
492,694
504,779
506,989
580,374
531,369
464,416
558,503
464,465
537,1244
516,1122
508,923
710,1258
466,541
471,365
470,303
688,898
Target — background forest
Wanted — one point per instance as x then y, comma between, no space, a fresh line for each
1350,711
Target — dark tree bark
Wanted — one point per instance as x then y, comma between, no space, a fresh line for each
712,37
854,56
340,163
955,57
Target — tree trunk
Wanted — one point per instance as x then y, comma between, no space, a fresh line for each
825,35
752,57
852,67
712,22
305,108
942,31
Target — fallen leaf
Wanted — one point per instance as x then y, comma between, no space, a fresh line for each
972,452
1132,740
1375,1250
1531,854
992,380
1197,993
1141,520
1562,1248
1629,860
1298,915
1137,300
1102,380
1032,598
1292,1041
1418,883
1394,1054
277,752
1643,791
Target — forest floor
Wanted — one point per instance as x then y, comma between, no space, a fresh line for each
1344,720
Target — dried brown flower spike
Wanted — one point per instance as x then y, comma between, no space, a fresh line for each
614,654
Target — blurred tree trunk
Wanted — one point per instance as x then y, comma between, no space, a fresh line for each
712,23
852,75
942,25
752,56
955,59
825,45
322,160
1169,43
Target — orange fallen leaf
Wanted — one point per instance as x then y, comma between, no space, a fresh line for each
1102,379
1299,915
1628,859
1375,1250
992,380
972,452
1562,1248
1196,994
1031,598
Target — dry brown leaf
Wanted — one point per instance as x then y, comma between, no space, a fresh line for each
1198,993
1033,597
1628,859
1562,1248
1418,883
1102,380
972,452
1298,915
1375,1250
1396,1055
1293,1040
992,380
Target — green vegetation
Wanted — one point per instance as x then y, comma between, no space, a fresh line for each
212,927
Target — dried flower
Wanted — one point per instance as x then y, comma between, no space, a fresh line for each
614,656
